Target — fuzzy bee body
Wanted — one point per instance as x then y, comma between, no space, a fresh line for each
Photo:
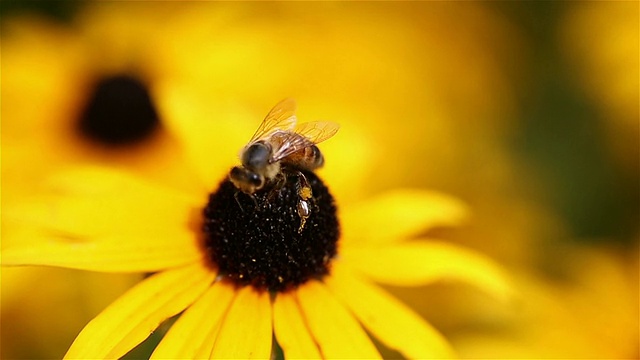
280,143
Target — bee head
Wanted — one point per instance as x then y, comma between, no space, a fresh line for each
245,180
256,156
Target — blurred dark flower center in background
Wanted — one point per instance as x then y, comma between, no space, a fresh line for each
119,111
257,241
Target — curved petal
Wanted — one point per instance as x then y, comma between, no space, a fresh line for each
291,331
392,322
246,332
399,215
192,333
131,318
335,330
423,262
105,221
94,202
124,254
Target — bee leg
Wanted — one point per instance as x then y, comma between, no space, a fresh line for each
303,187
235,196
304,193
255,202
253,198
280,181
303,212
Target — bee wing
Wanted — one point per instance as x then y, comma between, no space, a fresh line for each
281,117
317,131
290,142
304,135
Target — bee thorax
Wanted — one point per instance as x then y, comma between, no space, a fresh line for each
256,156
271,171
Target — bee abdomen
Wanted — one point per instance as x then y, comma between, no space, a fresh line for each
316,157
309,158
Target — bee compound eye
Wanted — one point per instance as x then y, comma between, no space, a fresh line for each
236,173
255,179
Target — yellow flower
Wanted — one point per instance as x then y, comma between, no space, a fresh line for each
75,93
587,309
84,93
238,269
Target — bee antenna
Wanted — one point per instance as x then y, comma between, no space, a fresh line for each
238,200
253,198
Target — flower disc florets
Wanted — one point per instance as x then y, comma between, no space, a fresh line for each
119,111
256,240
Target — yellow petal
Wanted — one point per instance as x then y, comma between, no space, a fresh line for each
246,332
423,262
204,352
131,318
192,332
94,202
399,215
392,322
105,221
337,332
290,329
124,254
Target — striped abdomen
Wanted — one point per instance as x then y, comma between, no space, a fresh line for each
309,158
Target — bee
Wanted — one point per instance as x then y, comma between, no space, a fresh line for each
280,147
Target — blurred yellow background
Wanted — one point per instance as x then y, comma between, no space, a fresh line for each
527,111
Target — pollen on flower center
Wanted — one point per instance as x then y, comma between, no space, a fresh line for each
119,111
256,241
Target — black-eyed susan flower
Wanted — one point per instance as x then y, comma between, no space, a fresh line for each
74,93
85,92
241,272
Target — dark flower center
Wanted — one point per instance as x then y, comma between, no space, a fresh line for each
119,111
257,241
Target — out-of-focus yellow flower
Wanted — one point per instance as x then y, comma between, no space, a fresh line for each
387,70
84,92
103,220
588,308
